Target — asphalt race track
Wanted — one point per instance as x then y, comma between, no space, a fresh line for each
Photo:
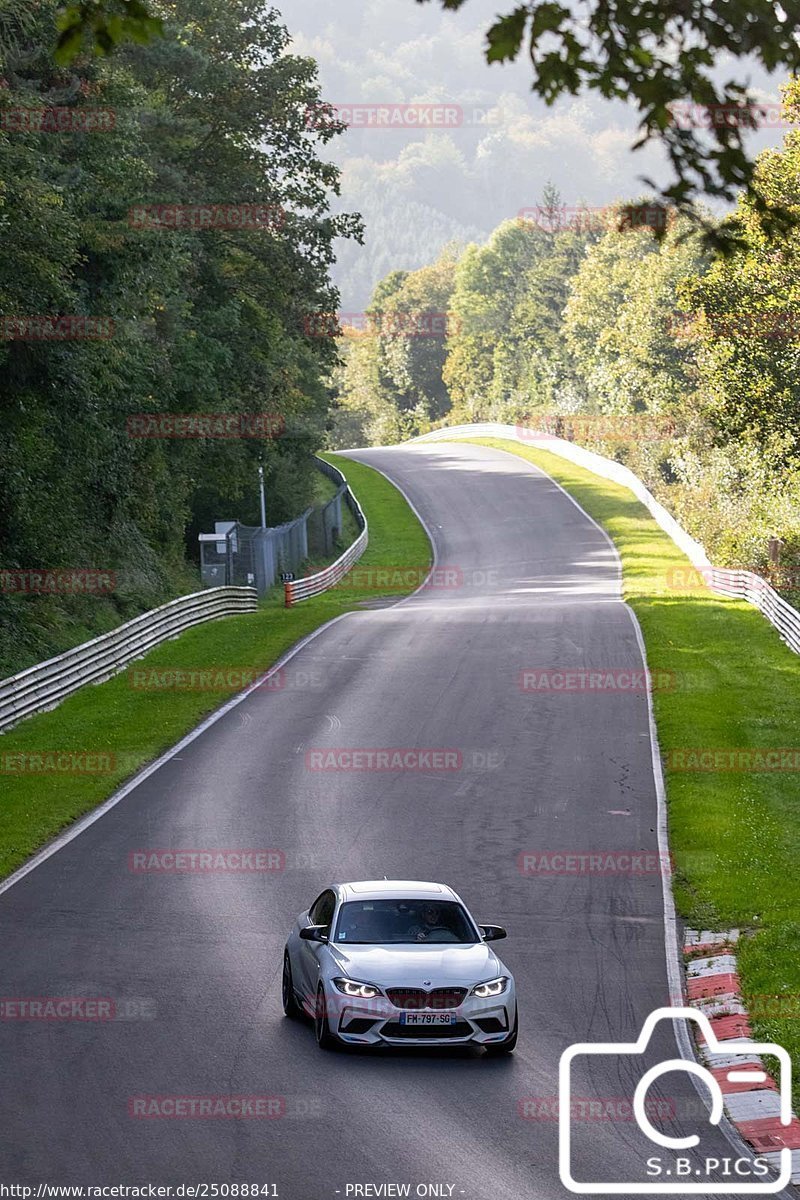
193,961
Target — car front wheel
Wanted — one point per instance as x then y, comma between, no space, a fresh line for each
508,1045
325,1039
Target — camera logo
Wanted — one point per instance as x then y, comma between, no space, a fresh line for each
684,1168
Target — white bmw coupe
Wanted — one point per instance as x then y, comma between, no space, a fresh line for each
398,963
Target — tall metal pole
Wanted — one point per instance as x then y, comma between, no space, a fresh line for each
263,506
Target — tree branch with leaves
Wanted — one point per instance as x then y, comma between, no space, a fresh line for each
659,56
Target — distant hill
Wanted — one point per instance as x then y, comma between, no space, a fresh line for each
419,190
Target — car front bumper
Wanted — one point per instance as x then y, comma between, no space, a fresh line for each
378,1021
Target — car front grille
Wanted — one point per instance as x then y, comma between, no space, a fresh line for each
417,998
393,1029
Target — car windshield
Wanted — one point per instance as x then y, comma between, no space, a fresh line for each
392,922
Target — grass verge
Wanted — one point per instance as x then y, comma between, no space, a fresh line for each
124,727
734,832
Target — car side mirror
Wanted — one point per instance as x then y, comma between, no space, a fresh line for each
493,933
315,933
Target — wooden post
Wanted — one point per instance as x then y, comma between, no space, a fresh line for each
774,569
775,547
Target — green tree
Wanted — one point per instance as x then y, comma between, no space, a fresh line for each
204,321
743,319
659,56
414,322
364,412
543,367
481,371
620,323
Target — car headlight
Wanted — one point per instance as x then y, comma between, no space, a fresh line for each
492,987
351,987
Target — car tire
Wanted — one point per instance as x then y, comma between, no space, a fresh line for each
509,1044
325,1039
290,1006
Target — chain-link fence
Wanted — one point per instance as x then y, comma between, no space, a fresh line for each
246,555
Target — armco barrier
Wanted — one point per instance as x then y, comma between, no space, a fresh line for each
47,684
314,585
744,585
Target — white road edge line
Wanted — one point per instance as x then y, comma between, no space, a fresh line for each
77,828
674,957
84,822
426,528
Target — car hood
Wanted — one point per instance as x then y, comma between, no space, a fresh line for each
410,966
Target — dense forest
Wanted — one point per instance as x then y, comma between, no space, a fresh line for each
165,231
632,337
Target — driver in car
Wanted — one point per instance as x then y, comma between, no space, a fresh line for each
431,919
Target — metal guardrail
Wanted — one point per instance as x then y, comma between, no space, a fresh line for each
333,473
741,585
745,585
315,585
44,686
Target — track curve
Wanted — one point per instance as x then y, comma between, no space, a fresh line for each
537,586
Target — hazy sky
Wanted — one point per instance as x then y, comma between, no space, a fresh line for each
418,190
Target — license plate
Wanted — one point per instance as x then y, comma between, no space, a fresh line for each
436,1018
